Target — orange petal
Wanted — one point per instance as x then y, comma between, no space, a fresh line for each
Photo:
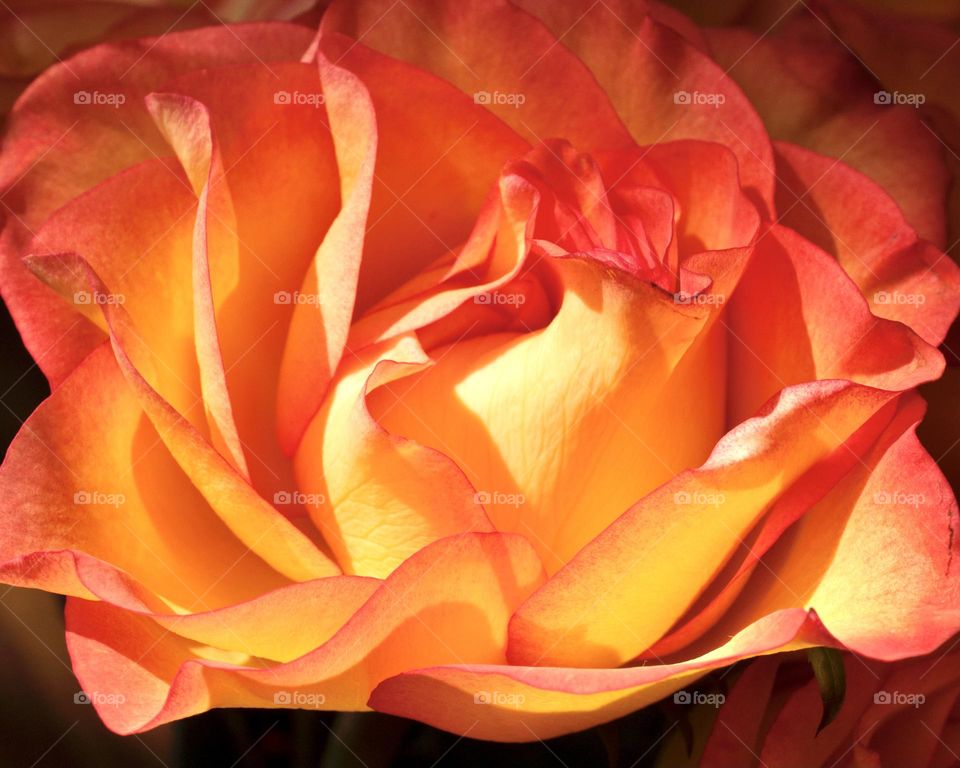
318,329
875,557
93,503
496,53
654,77
379,498
902,277
261,246
810,91
507,703
626,588
264,530
559,463
56,147
415,617
813,325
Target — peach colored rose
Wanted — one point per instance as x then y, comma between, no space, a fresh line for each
484,363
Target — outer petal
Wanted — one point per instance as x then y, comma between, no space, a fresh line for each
416,617
509,703
488,48
812,325
875,557
902,277
55,148
262,245
92,501
252,519
784,76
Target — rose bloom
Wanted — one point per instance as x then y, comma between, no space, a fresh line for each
902,714
482,363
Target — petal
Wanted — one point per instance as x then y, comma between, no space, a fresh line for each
491,50
626,588
648,70
253,520
784,77
55,148
508,703
796,317
261,246
415,617
427,194
560,462
902,277
318,331
93,501
379,498
875,557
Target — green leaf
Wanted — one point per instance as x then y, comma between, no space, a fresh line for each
827,664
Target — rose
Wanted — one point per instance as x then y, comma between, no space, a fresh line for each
36,33
892,714
495,486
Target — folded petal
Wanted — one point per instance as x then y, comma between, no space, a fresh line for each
902,277
264,530
558,462
514,703
318,329
379,497
625,589
93,502
415,617
796,316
